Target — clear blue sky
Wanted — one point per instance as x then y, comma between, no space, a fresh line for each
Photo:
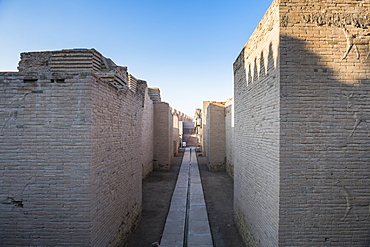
186,48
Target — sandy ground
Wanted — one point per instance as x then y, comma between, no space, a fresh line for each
157,192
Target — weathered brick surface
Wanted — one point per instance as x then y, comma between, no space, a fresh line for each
325,124
71,152
116,170
203,128
163,140
175,133
229,136
45,158
216,136
147,133
301,126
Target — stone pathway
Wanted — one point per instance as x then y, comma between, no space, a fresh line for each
187,221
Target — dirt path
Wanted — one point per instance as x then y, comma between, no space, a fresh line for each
157,192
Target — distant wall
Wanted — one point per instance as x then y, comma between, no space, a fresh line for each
175,134
203,129
163,140
216,136
147,132
229,136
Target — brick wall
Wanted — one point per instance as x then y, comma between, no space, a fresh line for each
215,136
147,129
203,127
116,170
325,123
71,142
256,152
45,159
301,126
163,139
229,136
203,130
175,133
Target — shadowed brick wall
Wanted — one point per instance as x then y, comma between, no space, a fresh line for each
229,136
302,144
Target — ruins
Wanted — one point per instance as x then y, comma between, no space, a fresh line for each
78,134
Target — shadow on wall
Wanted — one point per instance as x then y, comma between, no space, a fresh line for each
263,68
324,148
325,128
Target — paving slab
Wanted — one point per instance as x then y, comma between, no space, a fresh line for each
187,221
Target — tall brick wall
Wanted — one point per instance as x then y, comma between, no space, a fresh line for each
147,129
216,136
116,170
71,142
203,127
229,136
325,123
257,128
301,126
45,197
163,139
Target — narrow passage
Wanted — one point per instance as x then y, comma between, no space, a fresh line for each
187,220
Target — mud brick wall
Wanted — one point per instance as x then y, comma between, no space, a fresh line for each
325,123
175,133
229,136
216,136
301,126
256,149
116,170
163,136
70,160
45,158
203,129
147,132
